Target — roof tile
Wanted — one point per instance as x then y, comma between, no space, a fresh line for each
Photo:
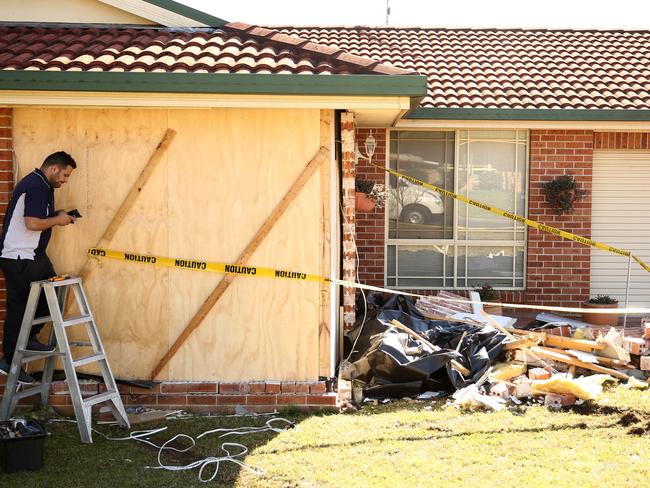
232,48
588,69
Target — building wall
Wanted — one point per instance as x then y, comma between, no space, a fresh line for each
68,11
557,269
205,201
6,186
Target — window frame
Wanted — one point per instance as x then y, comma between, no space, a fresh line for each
454,242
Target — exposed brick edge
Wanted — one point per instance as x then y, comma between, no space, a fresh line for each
348,164
6,186
621,140
218,397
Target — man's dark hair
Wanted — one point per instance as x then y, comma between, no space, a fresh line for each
61,158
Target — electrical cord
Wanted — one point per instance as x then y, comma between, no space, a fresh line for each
202,464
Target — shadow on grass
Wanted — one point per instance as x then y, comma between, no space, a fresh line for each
105,463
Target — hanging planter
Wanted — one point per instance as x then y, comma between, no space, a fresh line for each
562,193
368,195
363,202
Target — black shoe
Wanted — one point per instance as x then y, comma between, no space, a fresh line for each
23,377
34,345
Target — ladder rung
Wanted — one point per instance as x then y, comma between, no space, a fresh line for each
42,320
29,356
34,390
82,319
66,282
80,344
88,359
102,397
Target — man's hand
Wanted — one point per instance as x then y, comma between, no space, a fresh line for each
62,218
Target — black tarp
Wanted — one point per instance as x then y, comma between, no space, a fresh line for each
387,371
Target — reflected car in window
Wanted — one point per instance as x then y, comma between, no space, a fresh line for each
415,204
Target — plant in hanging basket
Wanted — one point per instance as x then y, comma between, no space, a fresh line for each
369,195
562,193
600,302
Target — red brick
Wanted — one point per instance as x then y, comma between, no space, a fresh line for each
272,387
260,399
141,399
172,399
302,387
329,399
201,400
233,388
59,400
315,388
231,399
292,399
207,387
256,387
173,388
147,391
288,387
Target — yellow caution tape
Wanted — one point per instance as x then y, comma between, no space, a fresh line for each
208,266
518,218
258,272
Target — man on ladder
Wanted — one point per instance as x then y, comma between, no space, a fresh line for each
25,234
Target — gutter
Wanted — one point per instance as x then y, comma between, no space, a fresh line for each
237,83
558,114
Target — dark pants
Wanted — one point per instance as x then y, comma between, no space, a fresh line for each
19,273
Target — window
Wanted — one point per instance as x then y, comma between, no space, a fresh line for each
438,242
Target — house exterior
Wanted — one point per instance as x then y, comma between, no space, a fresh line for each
242,122
505,112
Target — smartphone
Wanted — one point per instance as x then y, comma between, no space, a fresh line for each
74,213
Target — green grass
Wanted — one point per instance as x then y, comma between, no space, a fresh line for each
400,444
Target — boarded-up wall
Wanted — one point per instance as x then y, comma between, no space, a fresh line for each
221,177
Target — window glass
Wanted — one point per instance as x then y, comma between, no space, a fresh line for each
416,212
436,242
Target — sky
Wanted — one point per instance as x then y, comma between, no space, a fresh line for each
575,14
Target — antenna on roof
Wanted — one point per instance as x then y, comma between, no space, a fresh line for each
387,11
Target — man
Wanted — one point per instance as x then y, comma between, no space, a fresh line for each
25,234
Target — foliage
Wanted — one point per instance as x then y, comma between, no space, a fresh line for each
487,293
603,300
562,193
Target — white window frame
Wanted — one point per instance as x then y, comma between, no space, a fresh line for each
454,241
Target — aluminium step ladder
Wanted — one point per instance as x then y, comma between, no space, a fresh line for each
56,293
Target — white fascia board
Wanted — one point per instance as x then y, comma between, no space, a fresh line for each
598,126
154,13
191,100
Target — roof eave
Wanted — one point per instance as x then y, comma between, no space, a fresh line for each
151,10
556,114
237,83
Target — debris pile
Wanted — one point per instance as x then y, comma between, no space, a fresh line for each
441,346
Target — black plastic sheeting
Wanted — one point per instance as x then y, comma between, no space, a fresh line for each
387,371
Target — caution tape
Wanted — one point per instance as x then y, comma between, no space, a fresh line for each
518,218
259,272
207,266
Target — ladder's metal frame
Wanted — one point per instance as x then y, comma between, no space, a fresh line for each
56,293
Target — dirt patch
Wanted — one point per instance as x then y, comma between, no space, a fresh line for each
640,430
628,419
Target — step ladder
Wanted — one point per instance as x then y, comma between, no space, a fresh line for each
56,293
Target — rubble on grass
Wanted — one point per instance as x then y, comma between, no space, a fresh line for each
438,348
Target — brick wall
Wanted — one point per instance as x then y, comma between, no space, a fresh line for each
622,140
223,398
370,226
557,270
6,186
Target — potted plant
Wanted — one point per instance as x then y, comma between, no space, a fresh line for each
600,302
368,195
489,294
562,193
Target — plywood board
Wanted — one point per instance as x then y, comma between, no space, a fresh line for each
222,175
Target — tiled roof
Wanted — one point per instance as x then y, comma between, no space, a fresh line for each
508,69
232,48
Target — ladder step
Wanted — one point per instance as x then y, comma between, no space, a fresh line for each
42,320
66,282
102,397
29,356
80,344
82,319
88,359
34,390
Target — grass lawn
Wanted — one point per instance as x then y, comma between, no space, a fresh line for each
400,444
